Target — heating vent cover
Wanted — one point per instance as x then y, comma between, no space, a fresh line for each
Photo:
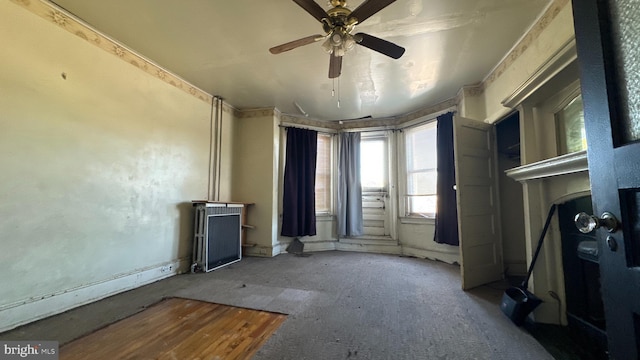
217,236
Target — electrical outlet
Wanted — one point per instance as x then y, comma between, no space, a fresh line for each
164,269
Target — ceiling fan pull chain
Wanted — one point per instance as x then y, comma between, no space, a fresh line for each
333,88
338,93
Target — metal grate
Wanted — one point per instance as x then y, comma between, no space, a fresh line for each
216,240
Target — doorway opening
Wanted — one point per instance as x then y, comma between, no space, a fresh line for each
511,197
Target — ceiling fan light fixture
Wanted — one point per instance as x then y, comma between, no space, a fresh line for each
349,43
336,39
338,24
327,46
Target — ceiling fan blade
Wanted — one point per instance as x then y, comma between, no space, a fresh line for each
368,8
335,66
376,44
312,8
295,43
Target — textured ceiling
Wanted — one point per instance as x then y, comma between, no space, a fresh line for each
222,47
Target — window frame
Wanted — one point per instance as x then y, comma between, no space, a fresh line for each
379,136
403,164
330,196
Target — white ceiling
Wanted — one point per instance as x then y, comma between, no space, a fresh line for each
222,47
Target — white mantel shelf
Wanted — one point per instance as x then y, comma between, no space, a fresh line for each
560,165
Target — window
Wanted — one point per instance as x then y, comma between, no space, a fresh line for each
570,122
421,168
323,174
373,174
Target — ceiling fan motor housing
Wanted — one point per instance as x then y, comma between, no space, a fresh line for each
339,17
336,3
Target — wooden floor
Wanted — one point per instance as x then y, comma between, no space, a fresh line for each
179,329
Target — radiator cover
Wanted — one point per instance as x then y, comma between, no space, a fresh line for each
217,232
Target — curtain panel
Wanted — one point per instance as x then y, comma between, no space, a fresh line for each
446,208
350,221
298,205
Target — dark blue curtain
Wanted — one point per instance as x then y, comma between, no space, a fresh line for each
299,201
446,209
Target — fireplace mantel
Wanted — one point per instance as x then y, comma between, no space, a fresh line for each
546,182
559,165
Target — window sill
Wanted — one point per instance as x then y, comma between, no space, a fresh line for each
417,220
324,217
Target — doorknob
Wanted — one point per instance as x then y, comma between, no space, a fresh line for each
587,223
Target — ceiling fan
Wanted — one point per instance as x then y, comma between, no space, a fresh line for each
338,24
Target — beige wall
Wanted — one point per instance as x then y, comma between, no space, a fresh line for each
545,39
98,170
255,176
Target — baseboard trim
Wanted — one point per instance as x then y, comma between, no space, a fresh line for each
449,258
309,246
357,246
315,246
377,249
261,251
368,241
39,307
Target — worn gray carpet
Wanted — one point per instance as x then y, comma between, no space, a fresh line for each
341,305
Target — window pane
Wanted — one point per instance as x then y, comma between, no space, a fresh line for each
421,174
422,147
372,164
422,183
570,121
323,174
425,205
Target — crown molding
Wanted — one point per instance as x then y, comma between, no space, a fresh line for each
525,42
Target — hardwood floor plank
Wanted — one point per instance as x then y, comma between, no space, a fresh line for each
179,329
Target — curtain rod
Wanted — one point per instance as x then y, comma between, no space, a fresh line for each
394,128
318,129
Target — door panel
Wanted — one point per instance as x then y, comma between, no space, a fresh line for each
478,212
606,35
630,201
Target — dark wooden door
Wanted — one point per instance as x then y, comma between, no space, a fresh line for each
609,57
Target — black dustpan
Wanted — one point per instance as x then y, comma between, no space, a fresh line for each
518,302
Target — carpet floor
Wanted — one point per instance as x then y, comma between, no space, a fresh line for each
341,305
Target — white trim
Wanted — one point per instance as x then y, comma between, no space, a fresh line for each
369,241
452,257
39,307
423,120
315,246
559,61
418,220
376,249
560,165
